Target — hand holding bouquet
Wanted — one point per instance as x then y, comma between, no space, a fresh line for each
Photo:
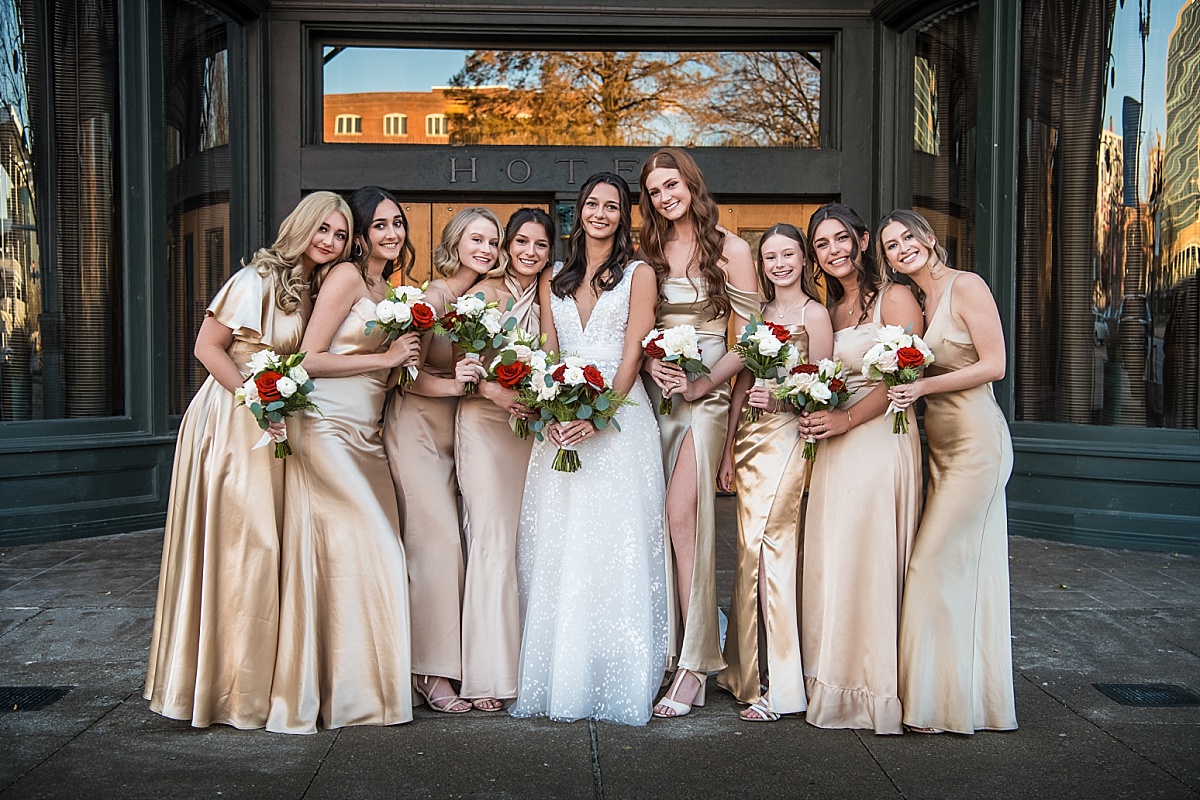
566,390
677,346
766,352
514,366
403,309
897,357
474,325
814,387
277,388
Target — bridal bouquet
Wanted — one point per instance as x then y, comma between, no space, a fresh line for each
896,358
514,365
814,387
677,346
277,388
474,325
566,390
765,351
403,309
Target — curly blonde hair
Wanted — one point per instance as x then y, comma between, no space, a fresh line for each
295,234
445,255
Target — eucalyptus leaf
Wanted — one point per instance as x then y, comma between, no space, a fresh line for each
584,412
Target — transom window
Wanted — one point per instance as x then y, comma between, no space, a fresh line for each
395,125
348,124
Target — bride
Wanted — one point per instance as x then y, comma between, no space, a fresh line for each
590,547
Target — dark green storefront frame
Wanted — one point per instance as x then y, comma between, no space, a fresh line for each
1108,486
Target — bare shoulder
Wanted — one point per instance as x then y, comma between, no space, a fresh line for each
734,245
972,294
343,277
492,288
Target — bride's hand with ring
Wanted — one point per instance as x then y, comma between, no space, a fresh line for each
824,424
670,378
571,434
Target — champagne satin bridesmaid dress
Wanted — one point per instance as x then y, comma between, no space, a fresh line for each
698,645
491,464
418,433
212,653
770,473
863,506
955,644
343,633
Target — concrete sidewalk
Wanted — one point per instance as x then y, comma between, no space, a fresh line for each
78,613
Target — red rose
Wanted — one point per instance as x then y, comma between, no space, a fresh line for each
805,369
559,372
836,385
909,357
448,319
422,316
781,333
593,377
265,383
654,349
509,375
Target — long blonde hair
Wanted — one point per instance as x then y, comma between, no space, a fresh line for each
923,232
295,233
445,255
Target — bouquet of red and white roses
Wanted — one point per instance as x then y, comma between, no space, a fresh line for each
474,324
766,352
568,389
814,387
277,388
679,346
896,358
519,358
403,309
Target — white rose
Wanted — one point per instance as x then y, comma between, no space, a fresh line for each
801,381
385,311
523,353
890,334
537,361
919,343
819,392
575,361
904,341
792,358
546,390
250,391
828,367
766,342
469,305
492,321
679,340
299,375
261,361
651,336
573,376
286,387
408,295
403,313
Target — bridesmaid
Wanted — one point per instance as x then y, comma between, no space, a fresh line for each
765,465
343,634
212,653
419,437
705,279
955,647
491,464
864,500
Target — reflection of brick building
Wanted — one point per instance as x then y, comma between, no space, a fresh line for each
389,117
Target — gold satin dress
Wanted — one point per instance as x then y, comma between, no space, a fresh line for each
491,464
418,434
343,622
212,653
698,647
864,503
770,472
955,645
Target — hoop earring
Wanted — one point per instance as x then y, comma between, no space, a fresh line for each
356,251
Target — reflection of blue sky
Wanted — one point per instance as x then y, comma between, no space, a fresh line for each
391,69
1127,56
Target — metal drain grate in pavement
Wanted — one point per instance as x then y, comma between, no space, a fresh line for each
1148,694
30,698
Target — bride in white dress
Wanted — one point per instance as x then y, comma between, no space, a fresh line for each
590,547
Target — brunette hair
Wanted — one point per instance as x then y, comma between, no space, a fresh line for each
807,280
574,268
363,203
519,218
445,255
704,215
295,233
869,279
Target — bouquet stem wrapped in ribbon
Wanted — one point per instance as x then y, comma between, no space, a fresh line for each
473,325
566,390
679,346
403,309
896,358
513,367
277,388
767,353
814,387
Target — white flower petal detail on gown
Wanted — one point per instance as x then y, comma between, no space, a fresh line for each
590,551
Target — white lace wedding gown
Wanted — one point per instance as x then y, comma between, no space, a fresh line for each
590,551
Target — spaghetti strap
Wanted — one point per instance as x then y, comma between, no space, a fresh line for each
804,311
877,316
